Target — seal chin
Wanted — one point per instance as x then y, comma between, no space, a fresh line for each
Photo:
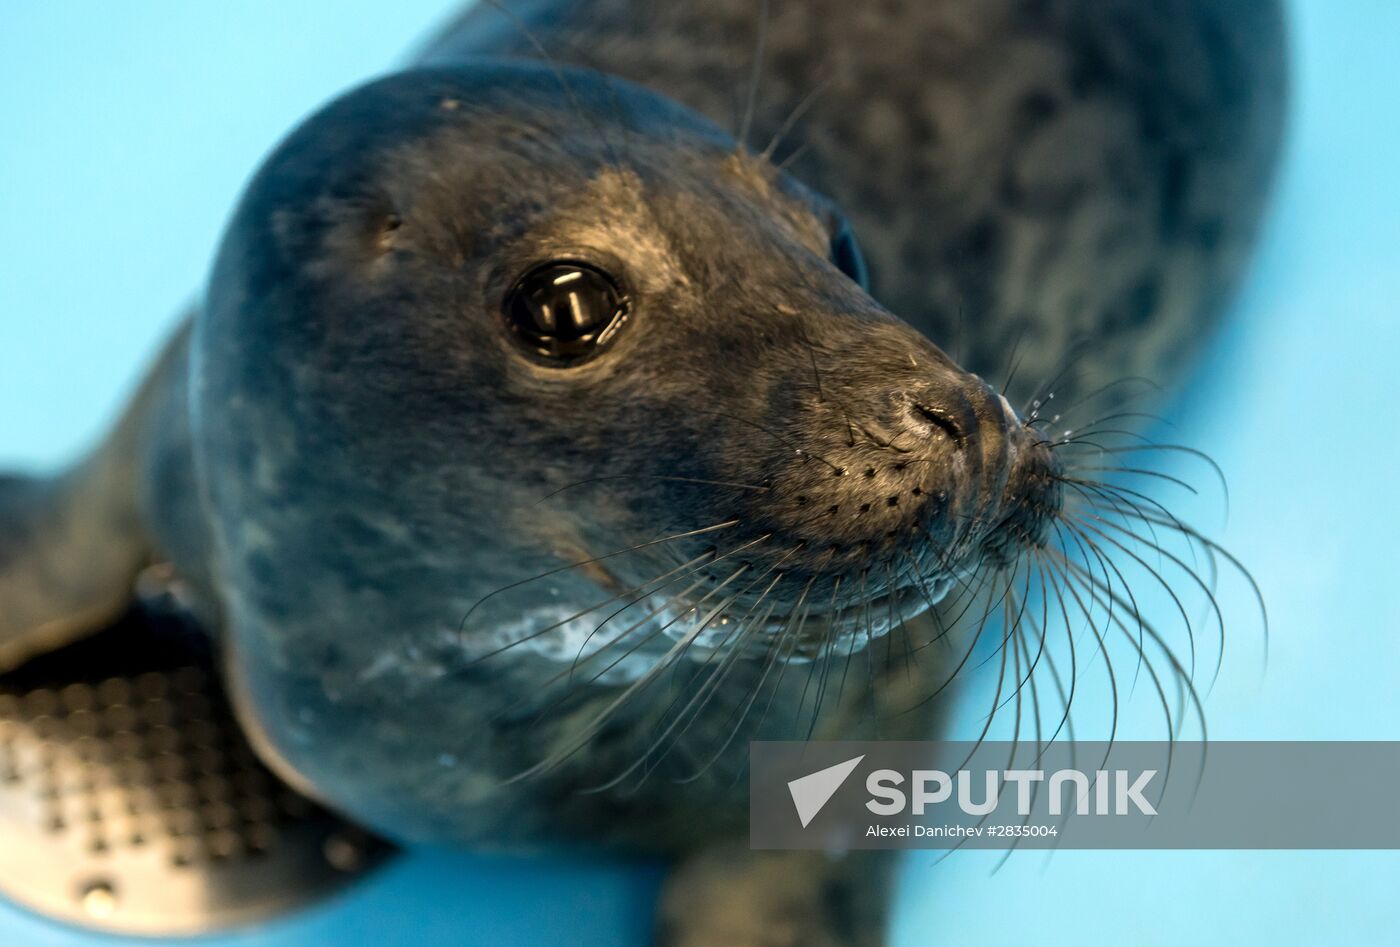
698,629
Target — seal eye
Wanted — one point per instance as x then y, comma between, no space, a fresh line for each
565,311
845,253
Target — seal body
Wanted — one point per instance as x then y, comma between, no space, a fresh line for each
458,579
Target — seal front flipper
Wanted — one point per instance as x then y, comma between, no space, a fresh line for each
72,544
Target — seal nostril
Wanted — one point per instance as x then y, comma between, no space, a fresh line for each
385,238
943,420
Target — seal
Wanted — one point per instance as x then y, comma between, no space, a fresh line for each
538,435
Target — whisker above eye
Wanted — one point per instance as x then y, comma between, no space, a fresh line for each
756,75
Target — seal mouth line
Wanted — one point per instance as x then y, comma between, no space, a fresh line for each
813,632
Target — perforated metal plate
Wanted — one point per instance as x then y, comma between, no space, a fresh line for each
130,801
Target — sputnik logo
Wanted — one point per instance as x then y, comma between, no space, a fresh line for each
813,791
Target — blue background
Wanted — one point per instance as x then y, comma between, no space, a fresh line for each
126,131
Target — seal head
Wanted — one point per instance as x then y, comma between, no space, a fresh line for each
485,348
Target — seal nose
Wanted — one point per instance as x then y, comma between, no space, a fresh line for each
956,424
947,405
963,435
963,407
993,475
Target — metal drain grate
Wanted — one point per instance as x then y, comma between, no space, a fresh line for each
130,801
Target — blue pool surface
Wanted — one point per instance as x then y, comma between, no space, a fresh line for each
129,128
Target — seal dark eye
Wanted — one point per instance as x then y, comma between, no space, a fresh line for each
565,311
845,253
